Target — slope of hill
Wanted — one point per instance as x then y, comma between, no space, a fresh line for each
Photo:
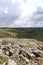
31,33
4,34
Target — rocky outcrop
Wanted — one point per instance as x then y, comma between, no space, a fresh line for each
21,52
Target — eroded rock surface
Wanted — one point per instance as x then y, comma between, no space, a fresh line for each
21,51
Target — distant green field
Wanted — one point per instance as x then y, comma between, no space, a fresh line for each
31,33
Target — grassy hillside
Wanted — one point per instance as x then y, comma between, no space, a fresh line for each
4,34
32,33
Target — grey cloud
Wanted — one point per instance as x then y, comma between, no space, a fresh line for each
13,14
11,8
36,20
7,19
37,17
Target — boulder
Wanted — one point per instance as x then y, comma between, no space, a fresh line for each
8,53
6,48
25,54
36,54
11,62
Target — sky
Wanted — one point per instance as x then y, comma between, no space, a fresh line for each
21,13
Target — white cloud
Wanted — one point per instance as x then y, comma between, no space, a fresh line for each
28,8
22,23
6,10
13,1
22,11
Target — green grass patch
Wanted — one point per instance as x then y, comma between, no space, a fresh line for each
3,59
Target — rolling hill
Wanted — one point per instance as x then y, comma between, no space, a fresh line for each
31,33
